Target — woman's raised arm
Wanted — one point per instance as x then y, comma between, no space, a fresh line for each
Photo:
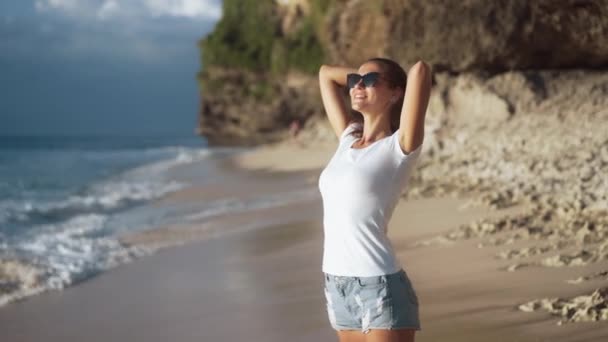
415,102
331,79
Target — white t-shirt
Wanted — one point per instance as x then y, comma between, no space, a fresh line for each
360,189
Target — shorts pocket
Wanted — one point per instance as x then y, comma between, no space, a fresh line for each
409,288
372,282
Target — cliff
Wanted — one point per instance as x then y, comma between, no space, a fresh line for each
259,65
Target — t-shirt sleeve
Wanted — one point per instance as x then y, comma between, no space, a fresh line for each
349,129
398,153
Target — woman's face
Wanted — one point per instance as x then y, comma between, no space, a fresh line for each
375,99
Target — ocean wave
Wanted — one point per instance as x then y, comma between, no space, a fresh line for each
57,256
136,185
103,198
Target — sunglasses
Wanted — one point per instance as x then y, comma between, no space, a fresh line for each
369,80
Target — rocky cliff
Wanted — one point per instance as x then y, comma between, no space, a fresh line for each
260,63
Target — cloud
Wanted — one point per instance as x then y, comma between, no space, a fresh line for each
184,8
113,9
108,9
149,31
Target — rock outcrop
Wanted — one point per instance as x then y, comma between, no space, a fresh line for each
250,97
473,35
253,108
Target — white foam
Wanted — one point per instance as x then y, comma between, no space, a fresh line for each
20,294
73,250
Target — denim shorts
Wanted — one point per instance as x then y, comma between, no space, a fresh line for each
378,302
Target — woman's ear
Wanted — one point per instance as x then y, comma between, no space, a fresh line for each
396,95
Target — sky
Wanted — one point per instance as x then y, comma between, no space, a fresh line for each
101,67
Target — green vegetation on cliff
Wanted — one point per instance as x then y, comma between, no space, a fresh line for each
300,51
249,37
244,36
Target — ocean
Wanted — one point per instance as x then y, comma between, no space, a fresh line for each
63,201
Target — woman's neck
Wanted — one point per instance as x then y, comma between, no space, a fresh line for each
375,128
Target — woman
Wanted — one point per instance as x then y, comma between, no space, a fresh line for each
369,295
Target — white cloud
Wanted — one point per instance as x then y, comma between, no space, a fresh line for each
184,8
63,5
149,31
108,9
115,9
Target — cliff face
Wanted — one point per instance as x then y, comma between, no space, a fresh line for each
259,66
247,107
257,70
473,35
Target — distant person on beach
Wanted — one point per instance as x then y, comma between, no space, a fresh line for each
369,295
294,129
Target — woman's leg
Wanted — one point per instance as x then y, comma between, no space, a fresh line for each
377,335
351,336
396,335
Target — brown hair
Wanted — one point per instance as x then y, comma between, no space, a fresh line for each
396,77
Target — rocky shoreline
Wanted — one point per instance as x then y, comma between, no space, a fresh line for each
549,151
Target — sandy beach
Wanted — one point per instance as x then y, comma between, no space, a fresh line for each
160,164
265,283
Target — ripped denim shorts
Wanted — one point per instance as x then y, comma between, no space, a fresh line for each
378,302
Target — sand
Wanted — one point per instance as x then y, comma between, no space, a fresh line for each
265,284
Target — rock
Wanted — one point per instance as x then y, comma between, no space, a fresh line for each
530,306
525,252
584,235
471,103
514,267
584,308
498,36
580,258
231,116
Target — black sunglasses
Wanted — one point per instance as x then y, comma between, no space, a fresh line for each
369,79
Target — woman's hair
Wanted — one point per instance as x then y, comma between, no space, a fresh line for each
396,77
